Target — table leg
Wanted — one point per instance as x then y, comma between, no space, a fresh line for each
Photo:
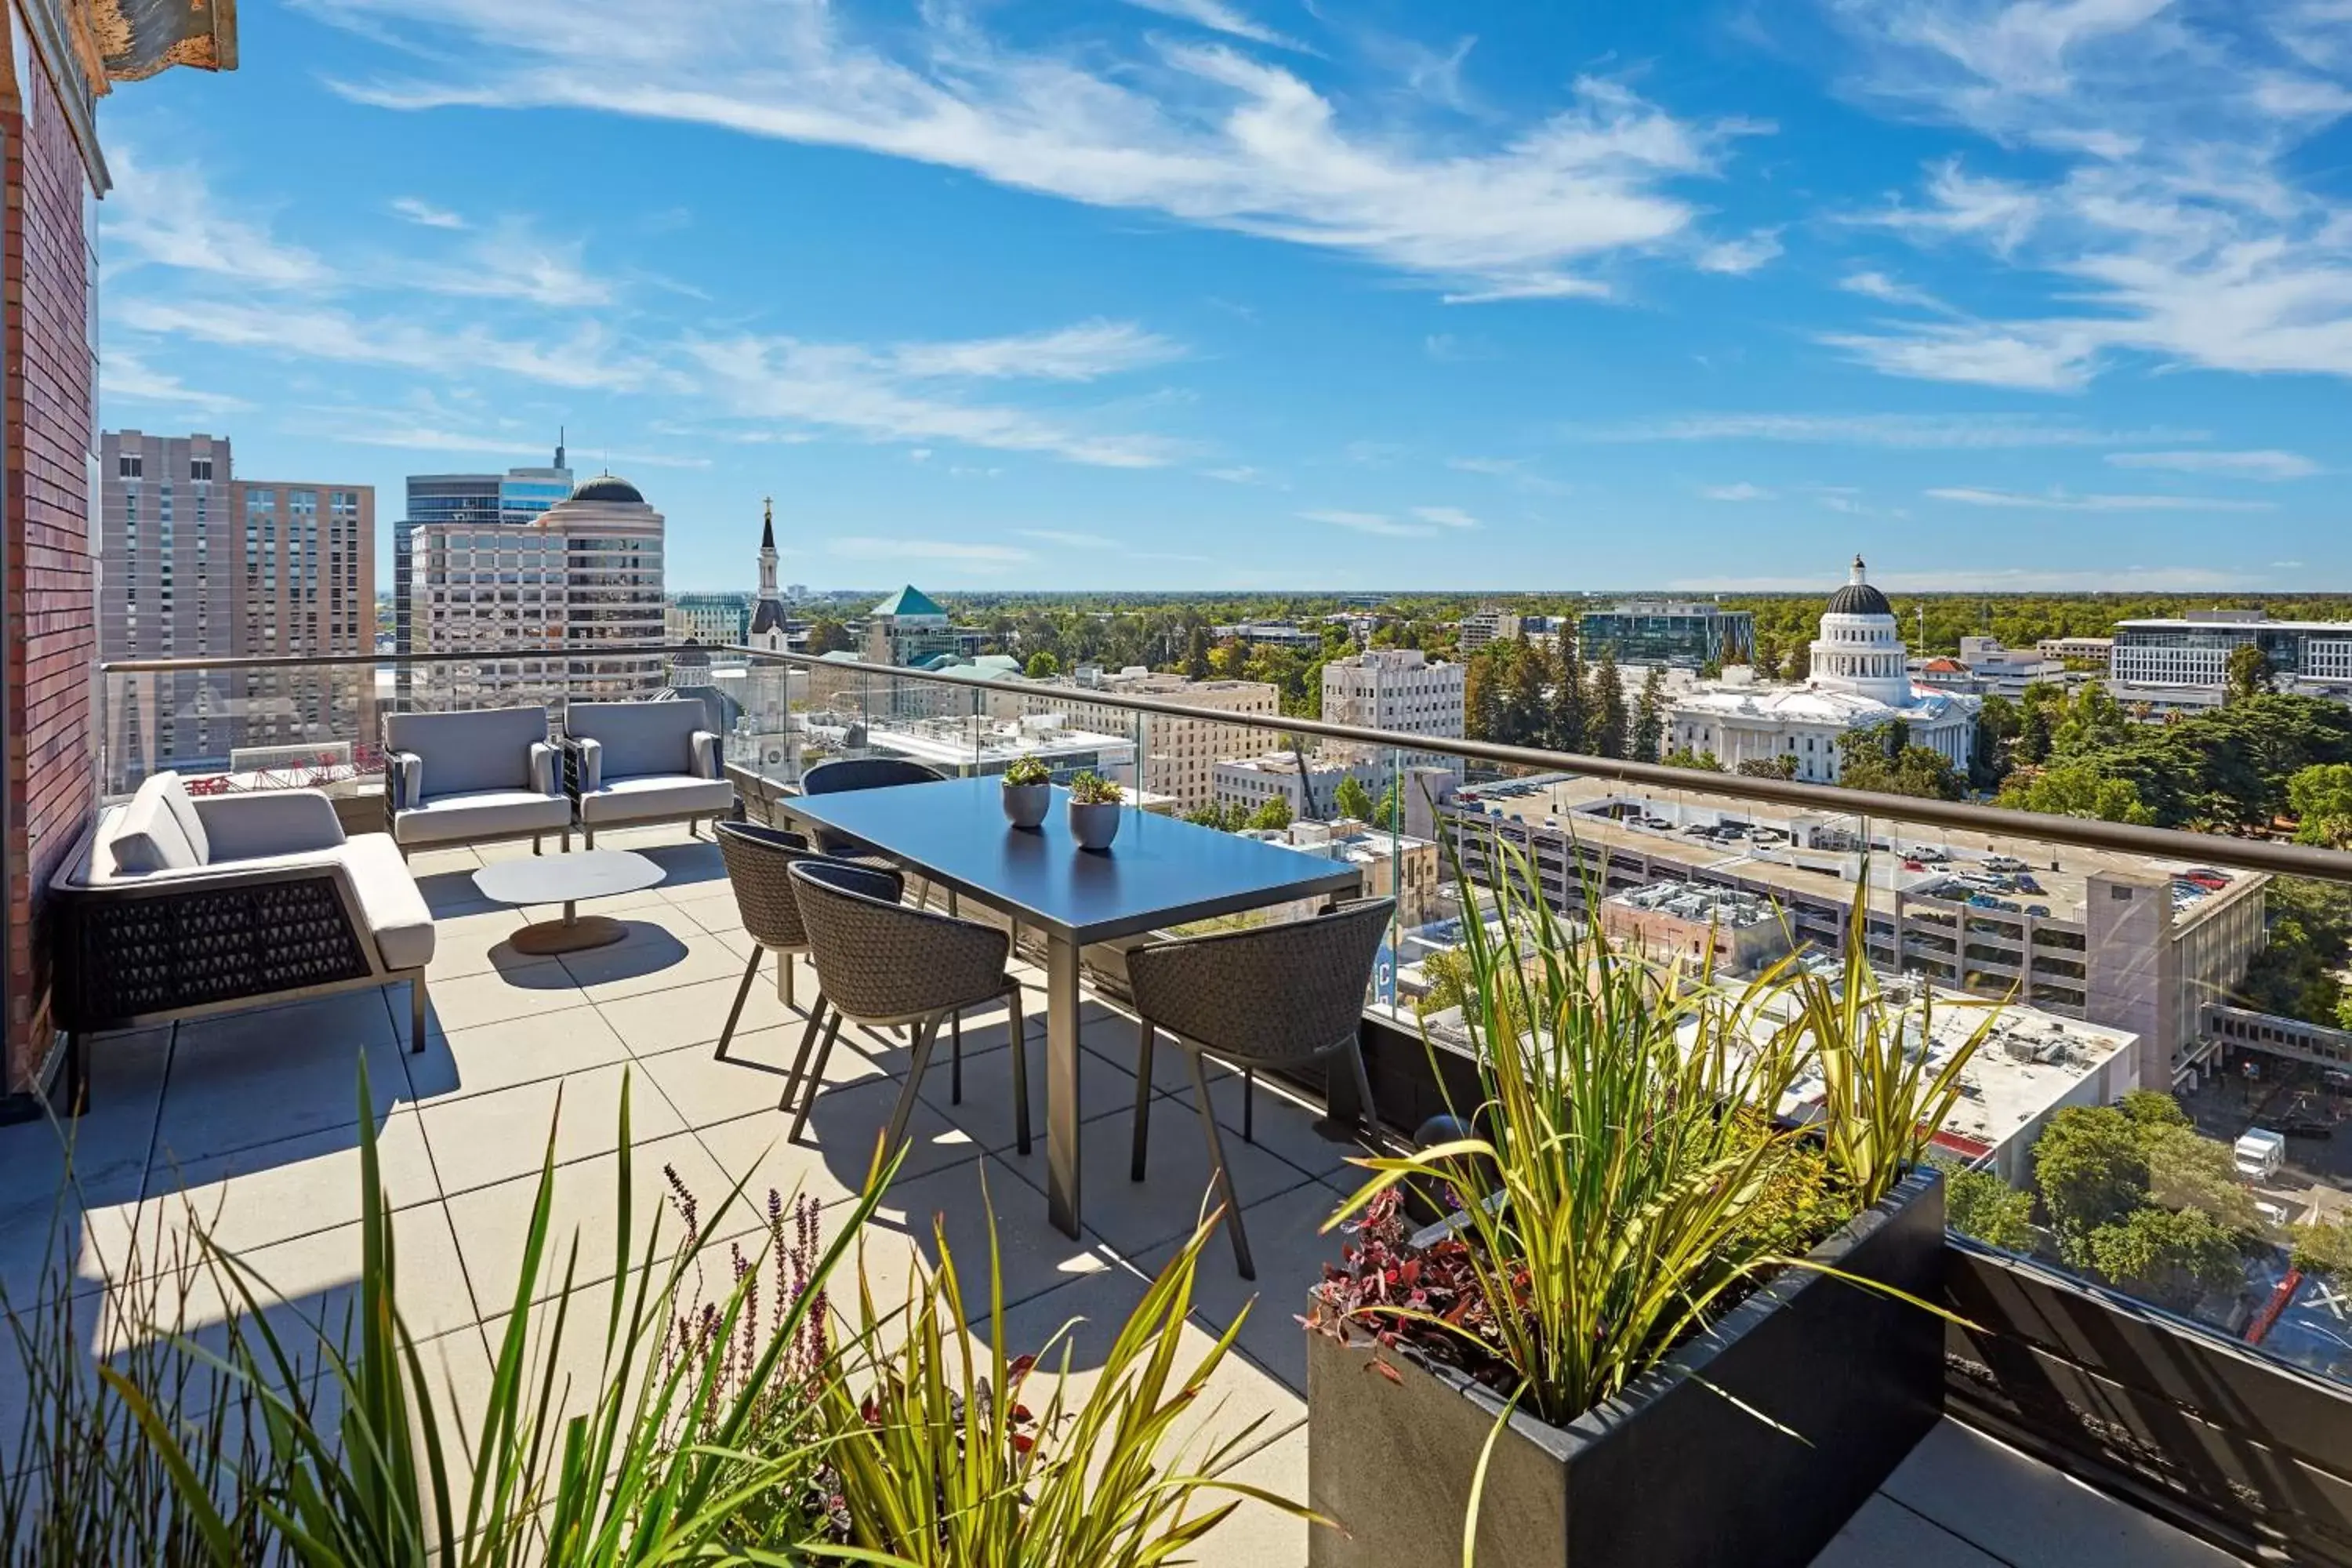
1062,1083
570,934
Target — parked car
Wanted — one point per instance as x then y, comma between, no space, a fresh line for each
2025,882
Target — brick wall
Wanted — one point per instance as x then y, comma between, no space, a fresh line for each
45,402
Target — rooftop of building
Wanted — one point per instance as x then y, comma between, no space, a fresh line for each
1816,856
1782,703
906,602
2229,620
966,742
1702,903
607,487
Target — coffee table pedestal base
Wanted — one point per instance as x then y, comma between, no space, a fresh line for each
573,933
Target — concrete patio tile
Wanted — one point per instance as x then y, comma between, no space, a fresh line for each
692,868
435,862
1136,1216
707,1092
493,1223
652,960
848,1121
255,1077
2043,1517
987,1109
491,1056
983,1032
484,1139
451,892
456,957
1883,1532
712,911
311,1285
275,1192
693,1015
51,1225
752,1150
1033,1256
1093,1309
1255,1533
493,999
1289,1253
1283,1124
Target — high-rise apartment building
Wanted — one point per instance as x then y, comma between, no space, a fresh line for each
509,499
197,563
573,599
1398,688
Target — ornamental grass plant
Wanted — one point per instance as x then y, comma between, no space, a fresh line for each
1630,1174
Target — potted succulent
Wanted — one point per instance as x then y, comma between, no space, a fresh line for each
1028,791
1661,1323
1094,810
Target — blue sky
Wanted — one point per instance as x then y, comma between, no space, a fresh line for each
1265,293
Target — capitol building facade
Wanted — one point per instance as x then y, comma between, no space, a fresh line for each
1860,678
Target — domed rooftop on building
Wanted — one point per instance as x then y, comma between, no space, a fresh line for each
1858,597
607,487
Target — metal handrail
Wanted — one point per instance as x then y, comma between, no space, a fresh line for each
2077,832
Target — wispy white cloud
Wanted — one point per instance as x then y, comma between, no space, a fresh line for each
1993,580
417,210
978,557
1219,18
511,262
1446,516
124,375
1374,522
2256,465
1889,290
1518,471
585,357
2147,164
1740,257
1086,351
168,216
1200,132
1068,539
918,392
1237,474
1960,431
2062,500
1740,492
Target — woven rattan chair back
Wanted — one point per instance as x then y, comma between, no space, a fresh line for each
758,863
1274,996
880,960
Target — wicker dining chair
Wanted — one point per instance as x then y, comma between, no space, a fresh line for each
758,862
859,772
882,963
1277,996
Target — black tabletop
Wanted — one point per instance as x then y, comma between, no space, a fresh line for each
1160,871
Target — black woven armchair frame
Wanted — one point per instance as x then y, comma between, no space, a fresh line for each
1278,996
758,864
882,963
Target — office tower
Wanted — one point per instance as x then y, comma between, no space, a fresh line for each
1398,688
581,580
510,499
196,563
1687,635
2182,663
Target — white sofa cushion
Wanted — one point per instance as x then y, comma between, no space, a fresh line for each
267,822
395,911
153,832
462,753
483,814
648,799
639,740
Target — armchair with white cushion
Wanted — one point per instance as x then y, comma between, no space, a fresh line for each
176,906
629,763
472,778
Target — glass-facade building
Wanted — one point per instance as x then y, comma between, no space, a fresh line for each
2194,651
1688,634
514,497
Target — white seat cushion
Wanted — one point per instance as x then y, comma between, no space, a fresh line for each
482,813
158,830
643,799
388,896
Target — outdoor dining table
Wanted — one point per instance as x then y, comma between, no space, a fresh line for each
1160,871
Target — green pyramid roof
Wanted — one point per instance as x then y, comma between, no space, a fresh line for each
908,601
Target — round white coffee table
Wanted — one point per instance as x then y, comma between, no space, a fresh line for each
565,879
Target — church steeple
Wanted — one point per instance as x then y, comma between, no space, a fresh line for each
767,548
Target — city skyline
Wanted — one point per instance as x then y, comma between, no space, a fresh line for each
1190,295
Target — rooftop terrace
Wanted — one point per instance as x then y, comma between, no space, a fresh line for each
249,1119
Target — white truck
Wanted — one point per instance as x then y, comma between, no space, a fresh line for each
2259,1154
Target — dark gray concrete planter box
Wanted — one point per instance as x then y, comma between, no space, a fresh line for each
1673,1473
